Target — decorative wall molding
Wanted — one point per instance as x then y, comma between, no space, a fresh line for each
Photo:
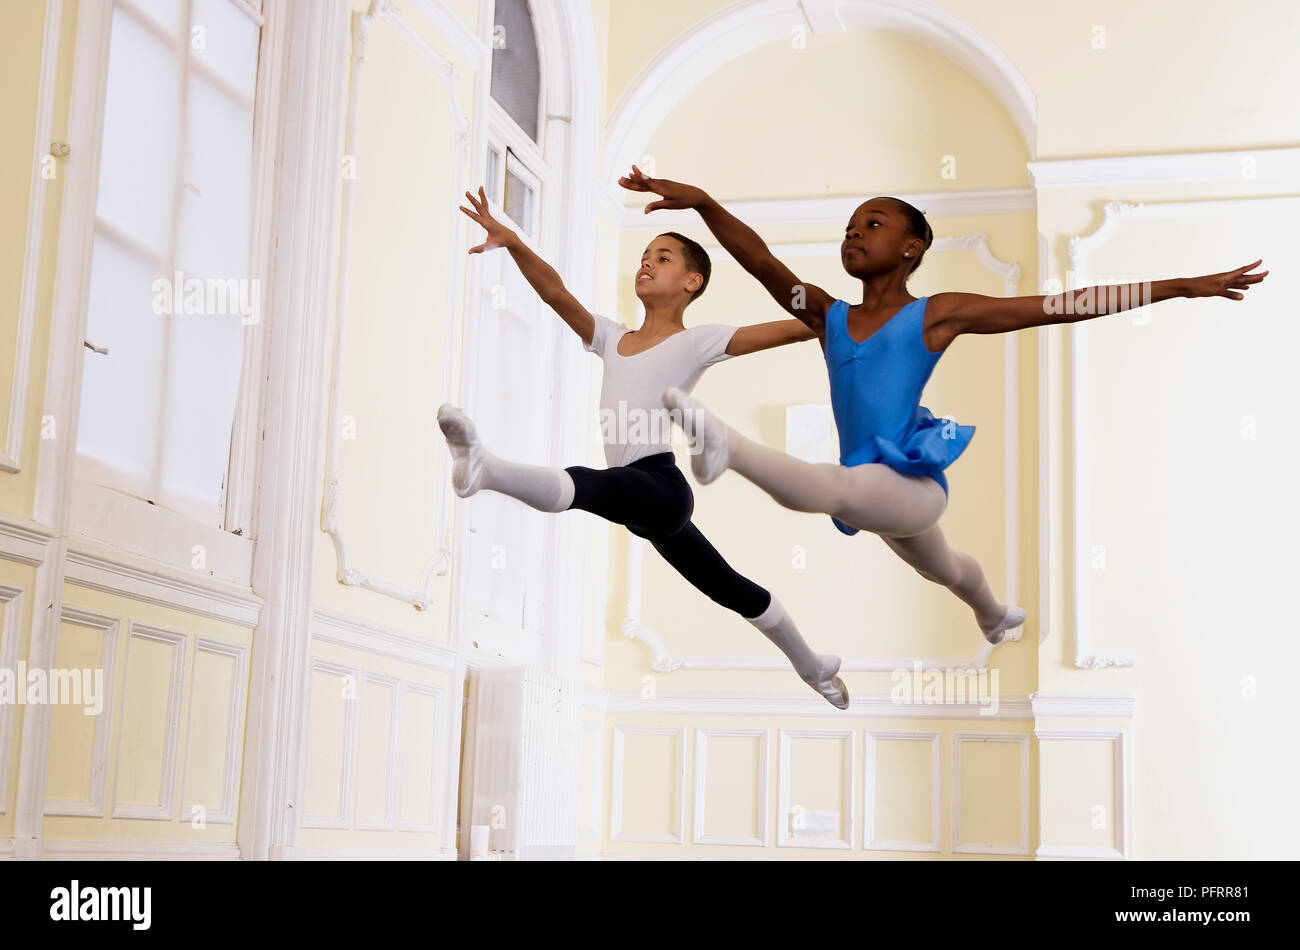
11,631
97,566
1238,165
347,817
302,853
869,840
62,849
783,804
1112,705
224,813
595,776
330,626
342,818
1009,271
1080,247
429,822
958,845
1045,337
1120,801
833,211
362,25
806,703
745,25
163,809
24,541
616,832
700,805
464,41
11,457
109,628
388,820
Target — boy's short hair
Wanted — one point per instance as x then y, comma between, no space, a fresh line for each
696,258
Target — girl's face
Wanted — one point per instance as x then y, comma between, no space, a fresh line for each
663,272
875,240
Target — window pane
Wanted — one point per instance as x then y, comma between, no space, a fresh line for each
161,405
516,77
166,13
137,170
120,392
519,198
216,210
225,39
204,358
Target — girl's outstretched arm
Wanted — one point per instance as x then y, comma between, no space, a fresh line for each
541,275
764,336
975,313
805,301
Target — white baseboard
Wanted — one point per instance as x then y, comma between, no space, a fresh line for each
300,853
71,850
1050,852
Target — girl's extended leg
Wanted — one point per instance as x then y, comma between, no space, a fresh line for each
475,468
870,497
929,553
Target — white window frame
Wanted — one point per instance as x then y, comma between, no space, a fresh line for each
107,515
490,637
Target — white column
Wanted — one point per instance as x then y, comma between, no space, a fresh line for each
287,518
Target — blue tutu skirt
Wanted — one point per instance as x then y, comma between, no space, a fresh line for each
929,446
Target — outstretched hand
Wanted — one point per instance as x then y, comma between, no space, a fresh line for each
1226,284
673,194
498,235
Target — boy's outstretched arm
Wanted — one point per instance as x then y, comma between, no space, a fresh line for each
541,275
764,336
975,313
805,301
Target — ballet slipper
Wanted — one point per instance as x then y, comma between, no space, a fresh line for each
828,683
466,452
1009,628
708,437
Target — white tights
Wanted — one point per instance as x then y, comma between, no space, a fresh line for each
903,510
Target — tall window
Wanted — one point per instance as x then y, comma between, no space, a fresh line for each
171,296
504,590
516,74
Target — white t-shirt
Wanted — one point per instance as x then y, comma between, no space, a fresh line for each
633,420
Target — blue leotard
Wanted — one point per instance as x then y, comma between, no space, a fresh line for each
876,397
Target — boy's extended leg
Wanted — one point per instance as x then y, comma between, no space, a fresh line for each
692,556
475,468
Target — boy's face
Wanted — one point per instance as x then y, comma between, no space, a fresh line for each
663,274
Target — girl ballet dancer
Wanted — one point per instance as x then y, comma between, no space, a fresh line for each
879,354
642,488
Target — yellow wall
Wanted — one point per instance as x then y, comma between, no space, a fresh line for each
850,114
138,753
23,34
1164,78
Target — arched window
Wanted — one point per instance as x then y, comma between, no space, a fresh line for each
516,75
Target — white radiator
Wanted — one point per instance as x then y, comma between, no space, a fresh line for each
523,763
